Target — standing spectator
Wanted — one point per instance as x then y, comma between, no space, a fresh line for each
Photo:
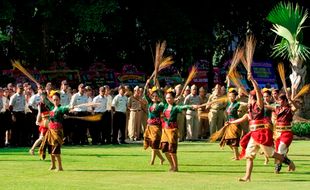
119,108
107,116
17,108
134,123
216,113
204,123
192,122
79,127
98,127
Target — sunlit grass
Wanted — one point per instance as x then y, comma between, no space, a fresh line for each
202,166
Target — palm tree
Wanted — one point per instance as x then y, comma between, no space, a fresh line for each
288,23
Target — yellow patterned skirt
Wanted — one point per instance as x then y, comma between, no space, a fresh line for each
169,140
152,136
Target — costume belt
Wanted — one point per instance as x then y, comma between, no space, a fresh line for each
283,128
256,127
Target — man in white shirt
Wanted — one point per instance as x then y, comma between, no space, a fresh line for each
79,135
119,108
107,116
17,108
64,96
97,129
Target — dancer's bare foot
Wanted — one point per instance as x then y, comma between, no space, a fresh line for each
31,152
234,158
173,170
162,162
151,162
244,179
291,167
52,168
266,161
60,169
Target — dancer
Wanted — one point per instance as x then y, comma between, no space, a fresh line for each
169,138
42,122
259,136
230,133
54,135
283,135
153,131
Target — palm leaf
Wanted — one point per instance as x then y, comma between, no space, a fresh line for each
283,32
287,16
287,22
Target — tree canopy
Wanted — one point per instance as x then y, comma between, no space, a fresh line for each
119,31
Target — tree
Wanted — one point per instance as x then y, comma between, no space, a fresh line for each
288,23
288,20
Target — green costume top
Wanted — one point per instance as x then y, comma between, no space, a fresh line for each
56,116
154,110
170,116
232,110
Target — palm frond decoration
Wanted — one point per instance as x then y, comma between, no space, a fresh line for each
192,74
282,75
17,64
288,23
235,77
165,63
93,118
160,49
250,44
304,90
236,59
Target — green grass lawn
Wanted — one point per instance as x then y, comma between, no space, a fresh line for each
124,167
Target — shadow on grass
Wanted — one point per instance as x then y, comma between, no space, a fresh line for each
105,155
201,151
116,170
300,155
110,146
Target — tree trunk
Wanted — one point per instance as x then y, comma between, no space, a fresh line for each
298,76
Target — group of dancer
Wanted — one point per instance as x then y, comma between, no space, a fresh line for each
272,136
269,126
162,129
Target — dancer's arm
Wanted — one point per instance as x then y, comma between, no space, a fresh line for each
259,96
237,121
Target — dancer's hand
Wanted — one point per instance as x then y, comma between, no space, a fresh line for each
195,106
250,77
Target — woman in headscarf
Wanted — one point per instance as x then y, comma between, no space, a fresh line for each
153,131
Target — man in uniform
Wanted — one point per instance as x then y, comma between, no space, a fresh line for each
216,113
204,123
134,122
192,122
